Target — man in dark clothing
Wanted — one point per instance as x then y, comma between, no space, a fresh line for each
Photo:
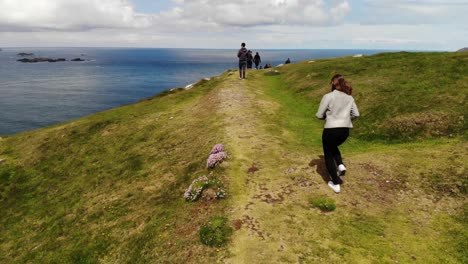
257,60
287,61
242,54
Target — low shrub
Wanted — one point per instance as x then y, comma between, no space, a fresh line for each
216,232
323,203
216,159
217,155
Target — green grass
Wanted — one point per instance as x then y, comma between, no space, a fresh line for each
109,186
402,96
405,152
216,232
325,204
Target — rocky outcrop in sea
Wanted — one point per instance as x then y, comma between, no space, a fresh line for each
34,60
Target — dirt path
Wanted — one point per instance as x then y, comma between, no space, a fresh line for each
270,185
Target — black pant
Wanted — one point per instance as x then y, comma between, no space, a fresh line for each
331,139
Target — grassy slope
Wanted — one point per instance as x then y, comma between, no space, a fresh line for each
403,96
407,197
108,188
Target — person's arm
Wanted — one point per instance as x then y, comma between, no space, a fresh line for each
323,108
354,111
238,54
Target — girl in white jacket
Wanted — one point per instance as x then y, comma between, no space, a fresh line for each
337,108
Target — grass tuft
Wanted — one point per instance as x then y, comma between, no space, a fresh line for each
323,203
216,232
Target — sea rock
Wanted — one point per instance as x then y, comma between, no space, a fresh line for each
190,86
34,60
77,59
206,79
25,54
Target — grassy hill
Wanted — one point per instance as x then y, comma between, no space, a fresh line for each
108,188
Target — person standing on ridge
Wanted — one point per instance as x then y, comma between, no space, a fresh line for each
257,60
337,108
287,61
242,54
250,59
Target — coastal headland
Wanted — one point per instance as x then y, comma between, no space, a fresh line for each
108,188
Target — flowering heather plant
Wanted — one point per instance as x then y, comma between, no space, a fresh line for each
217,148
216,159
195,190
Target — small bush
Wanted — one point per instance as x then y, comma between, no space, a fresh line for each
216,232
323,203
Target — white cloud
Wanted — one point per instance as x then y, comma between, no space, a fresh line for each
76,15
70,14
265,12
416,12
385,24
348,36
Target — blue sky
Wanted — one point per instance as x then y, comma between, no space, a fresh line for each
293,24
152,6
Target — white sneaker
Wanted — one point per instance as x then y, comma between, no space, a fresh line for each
341,170
336,188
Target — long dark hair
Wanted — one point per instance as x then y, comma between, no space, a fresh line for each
343,85
333,87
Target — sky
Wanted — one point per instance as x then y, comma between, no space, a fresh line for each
262,24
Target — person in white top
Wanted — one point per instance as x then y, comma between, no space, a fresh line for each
337,108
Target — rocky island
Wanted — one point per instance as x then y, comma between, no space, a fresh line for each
34,60
25,54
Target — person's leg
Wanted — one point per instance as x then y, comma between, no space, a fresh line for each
341,134
240,69
329,148
244,68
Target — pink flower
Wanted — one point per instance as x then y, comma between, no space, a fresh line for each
215,159
217,148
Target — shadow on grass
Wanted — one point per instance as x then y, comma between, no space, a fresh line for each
321,168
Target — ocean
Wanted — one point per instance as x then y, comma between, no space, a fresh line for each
35,95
